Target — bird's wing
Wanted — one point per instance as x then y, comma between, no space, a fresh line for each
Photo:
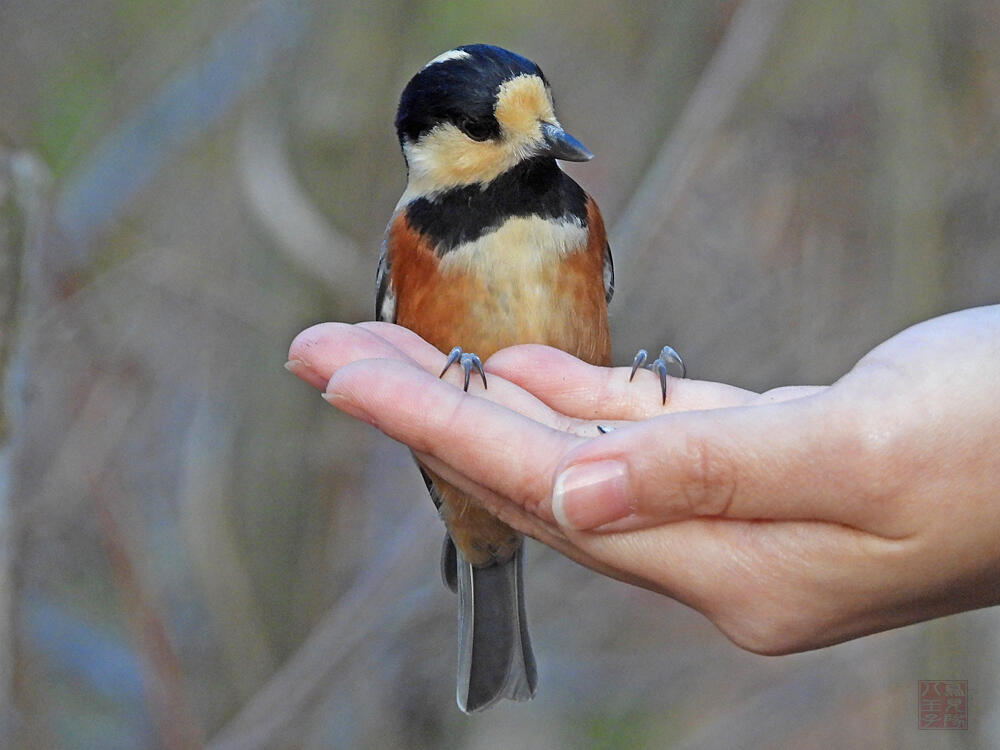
385,296
609,274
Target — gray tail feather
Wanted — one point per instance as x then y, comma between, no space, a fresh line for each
494,650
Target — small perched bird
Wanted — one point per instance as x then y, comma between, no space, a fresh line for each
491,245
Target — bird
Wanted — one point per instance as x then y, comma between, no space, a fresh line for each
491,245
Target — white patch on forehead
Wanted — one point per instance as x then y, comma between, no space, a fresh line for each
452,54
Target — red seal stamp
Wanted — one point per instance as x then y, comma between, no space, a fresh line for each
943,704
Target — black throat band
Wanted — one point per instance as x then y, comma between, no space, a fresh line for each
535,187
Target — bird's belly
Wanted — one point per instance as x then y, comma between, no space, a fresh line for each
531,281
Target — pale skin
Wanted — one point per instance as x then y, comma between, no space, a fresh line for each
792,519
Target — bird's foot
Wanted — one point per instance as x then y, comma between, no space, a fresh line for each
467,361
659,365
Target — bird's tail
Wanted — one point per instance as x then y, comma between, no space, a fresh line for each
494,650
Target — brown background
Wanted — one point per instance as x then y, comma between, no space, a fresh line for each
197,550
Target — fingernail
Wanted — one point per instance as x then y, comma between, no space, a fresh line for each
589,495
305,371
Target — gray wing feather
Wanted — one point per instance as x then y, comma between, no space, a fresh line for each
385,296
609,274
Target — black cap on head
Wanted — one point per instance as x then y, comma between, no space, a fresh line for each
459,87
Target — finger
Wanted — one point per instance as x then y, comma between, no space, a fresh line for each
324,349
500,449
573,387
790,392
766,586
518,518
303,371
428,356
800,460
319,351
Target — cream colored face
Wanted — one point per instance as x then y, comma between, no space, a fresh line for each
446,157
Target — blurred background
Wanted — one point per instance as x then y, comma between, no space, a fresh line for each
195,551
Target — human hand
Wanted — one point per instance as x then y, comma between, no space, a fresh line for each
793,519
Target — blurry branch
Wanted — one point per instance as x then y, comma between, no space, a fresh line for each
214,555
299,231
107,410
162,677
638,233
24,187
308,675
24,193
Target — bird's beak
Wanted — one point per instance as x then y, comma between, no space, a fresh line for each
561,145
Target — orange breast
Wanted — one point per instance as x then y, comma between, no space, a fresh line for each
528,282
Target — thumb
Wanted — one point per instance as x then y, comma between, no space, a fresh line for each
804,459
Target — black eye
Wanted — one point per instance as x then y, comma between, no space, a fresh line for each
477,130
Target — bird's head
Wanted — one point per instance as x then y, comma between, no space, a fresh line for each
475,112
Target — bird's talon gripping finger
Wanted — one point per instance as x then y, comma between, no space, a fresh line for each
605,429
453,356
467,361
667,355
660,365
466,370
661,368
640,357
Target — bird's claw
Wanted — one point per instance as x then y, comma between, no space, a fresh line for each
667,356
467,361
605,429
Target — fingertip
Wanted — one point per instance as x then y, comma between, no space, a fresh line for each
360,386
304,372
322,350
349,406
312,337
345,379
305,353
381,379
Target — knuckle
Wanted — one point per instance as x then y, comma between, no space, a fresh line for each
708,483
529,495
530,489
878,462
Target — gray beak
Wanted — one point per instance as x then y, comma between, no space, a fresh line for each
561,145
